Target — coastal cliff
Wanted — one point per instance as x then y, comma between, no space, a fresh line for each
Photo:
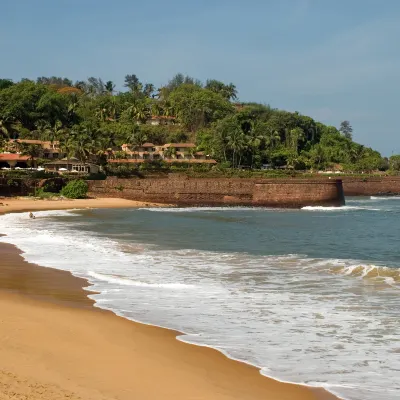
182,190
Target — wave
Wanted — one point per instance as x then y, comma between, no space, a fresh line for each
385,197
390,276
338,209
200,209
120,280
271,311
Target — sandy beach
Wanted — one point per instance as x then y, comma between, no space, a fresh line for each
55,345
31,204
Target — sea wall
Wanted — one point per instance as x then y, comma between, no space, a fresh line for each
375,186
177,189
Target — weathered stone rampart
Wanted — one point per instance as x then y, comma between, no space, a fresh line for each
374,186
223,191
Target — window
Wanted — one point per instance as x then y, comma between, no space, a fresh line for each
80,168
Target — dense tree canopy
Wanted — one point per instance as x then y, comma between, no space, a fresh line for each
90,118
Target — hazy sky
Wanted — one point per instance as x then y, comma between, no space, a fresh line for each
332,60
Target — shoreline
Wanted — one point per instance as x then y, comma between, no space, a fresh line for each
44,291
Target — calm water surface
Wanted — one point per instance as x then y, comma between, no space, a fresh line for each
310,296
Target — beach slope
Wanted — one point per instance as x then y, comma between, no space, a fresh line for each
55,345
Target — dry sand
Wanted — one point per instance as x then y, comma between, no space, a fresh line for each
30,204
55,345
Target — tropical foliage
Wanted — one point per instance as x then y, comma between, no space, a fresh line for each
91,119
75,189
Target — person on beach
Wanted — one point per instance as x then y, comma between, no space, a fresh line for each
31,215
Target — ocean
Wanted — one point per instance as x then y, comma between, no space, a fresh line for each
310,296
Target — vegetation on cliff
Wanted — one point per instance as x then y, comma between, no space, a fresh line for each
89,118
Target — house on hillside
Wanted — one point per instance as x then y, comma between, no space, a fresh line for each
47,149
13,160
170,153
161,120
72,165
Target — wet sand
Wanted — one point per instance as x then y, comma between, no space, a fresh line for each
55,345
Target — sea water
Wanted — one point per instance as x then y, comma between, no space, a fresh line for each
310,296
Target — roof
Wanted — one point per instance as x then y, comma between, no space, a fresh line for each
191,161
127,160
70,162
71,159
30,141
179,145
13,157
153,117
125,145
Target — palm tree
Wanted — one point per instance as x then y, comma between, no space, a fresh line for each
148,89
254,141
191,152
135,137
237,143
139,111
169,152
121,155
84,146
9,127
5,128
67,145
54,132
33,151
109,87
230,92
294,136
273,138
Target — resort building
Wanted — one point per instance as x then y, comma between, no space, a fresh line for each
47,149
170,153
161,120
72,165
13,160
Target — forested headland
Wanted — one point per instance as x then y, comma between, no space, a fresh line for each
88,118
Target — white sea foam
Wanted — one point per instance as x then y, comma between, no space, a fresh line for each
339,209
383,198
319,322
129,282
201,209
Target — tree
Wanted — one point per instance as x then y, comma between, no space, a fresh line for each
96,86
394,162
54,80
8,127
197,107
67,144
169,152
19,103
229,92
5,83
90,120
109,87
53,132
76,189
33,151
346,129
132,82
237,144
148,89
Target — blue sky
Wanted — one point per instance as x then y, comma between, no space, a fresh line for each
332,60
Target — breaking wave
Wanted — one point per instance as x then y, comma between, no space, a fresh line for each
339,209
272,311
129,282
